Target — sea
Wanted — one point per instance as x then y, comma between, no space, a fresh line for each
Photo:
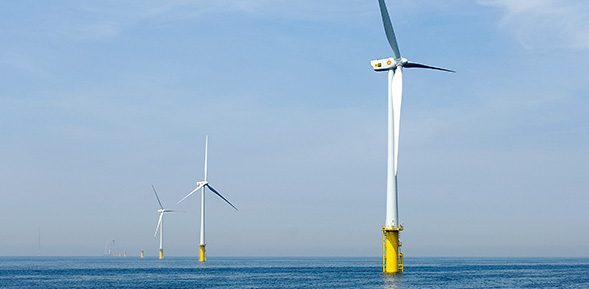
328,272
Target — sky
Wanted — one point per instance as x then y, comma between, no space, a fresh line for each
99,100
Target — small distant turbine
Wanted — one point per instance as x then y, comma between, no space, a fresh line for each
203,185
392,257
160,224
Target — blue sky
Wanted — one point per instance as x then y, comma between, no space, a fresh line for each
100,100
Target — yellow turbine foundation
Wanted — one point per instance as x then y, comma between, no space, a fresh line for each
161,253
392,258
203,256
142,254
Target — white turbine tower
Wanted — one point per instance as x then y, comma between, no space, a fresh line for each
160,223
204,185
392,258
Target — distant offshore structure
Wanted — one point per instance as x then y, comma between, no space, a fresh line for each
392,256
110,250
203,185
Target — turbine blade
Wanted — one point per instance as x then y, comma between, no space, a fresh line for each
158,198
388,28
215,191
397,94
197,188
206,154
158,224
419,65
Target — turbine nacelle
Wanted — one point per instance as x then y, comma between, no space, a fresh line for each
388,63
201,183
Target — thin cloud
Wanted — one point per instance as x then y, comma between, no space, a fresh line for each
23,63
545,24
105,21
103,30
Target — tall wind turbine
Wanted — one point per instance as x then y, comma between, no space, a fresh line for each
204,185
392,257
160,223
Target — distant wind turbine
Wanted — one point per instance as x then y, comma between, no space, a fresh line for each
204,185
392,258
39,244
160,223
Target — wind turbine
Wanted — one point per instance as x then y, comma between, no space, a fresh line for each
160,223
392,257
204,185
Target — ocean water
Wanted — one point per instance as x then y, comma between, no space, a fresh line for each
183,272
